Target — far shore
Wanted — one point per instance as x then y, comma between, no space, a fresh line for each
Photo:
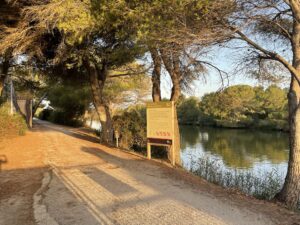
268,125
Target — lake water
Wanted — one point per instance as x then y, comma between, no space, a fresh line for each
256,151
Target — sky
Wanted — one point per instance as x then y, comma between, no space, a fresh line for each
224,58
221,58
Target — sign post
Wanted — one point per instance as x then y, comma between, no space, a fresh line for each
117,136
161,127
11,98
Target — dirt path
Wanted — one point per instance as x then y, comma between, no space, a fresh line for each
58,175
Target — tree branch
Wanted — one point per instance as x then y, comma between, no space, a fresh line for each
126,74
271,55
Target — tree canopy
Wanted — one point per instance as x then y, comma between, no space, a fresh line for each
242,101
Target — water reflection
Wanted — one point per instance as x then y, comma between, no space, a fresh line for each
236,148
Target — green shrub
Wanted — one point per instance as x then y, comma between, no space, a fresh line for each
59,117
131,124
11,125
2,100
278,115
69,102
188,111
44,114
272,124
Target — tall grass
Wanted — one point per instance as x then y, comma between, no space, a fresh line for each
11,125
262,185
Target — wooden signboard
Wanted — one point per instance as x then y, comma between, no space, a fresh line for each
161,126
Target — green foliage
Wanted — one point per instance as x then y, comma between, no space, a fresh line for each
233,102
160,21
61,117
188,110
246,106
136,20
70,99
44,114
131,125
96,30
275,100
74,19
125,90
69,103
237,106
2,100
11,125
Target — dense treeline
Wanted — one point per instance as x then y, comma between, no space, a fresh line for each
237,106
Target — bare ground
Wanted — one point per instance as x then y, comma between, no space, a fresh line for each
59,175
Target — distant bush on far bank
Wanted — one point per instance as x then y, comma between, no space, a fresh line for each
188,111
239,106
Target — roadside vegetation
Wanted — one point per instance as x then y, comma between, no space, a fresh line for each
261,185
11,125
131,125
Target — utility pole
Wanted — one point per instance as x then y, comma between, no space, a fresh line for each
11,98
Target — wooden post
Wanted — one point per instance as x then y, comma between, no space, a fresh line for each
173,154
148,150
117,136
11,98
30,114
174,143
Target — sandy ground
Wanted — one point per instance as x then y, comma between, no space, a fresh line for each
59,175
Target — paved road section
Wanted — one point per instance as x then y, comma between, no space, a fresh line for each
88,183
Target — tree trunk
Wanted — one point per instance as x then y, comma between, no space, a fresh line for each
176,90
106,123
176,78
36,106
172,65
290,192
171,62
2,79
15,98
177,141
4,73
156,93
97,81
